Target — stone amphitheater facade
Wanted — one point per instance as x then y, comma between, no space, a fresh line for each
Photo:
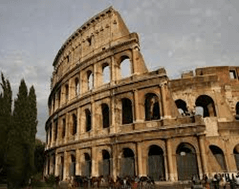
104,122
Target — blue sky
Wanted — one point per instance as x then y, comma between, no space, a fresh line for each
179,35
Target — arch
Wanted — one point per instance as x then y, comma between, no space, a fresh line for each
105,164
77,87
187,165
236,155
152,109
105,116
59,98
125,66
206,102
74,124
56,129
87,165
63,127
237,111
127,163
219,156
61,167
72,168
88,120
105,73
127,115
156,167
182,107
66,92
90,80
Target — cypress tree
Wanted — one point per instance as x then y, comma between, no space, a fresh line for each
18,145
5,118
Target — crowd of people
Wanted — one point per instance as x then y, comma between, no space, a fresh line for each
218,181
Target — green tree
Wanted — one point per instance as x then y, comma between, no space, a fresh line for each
21,138
39,156
5,118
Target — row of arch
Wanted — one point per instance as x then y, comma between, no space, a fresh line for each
186,160
126,71
204,106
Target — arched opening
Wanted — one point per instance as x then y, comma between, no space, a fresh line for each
56,129
237,111
127,115
105,115
87,165
77,88
182,107
72,169
61,168
59,98
66,93
90,80
125,66
63,127
156,168
105,73
152,110
236,155
105,164
127,163
74,124
206,102
186,161
88,120
219,156
50,133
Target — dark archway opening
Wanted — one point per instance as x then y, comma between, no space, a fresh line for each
206,102
74,125
127,115
72,171
105,116
236,155
87,165
61,168
237,111
152,110
219,156
182,107
88,120
127,163
156,168
105,164
186,161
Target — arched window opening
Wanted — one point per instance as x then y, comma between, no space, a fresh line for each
236,155
88,120
63,127
237,111
87,165
182,107
105,164
66,92
127,163
152,110
125,66
74,124
77,90
127,115
105,73
56,129
219,156
90,80
72,171
54,103
156,167
61,168
206,102
186,161
105,116
59,98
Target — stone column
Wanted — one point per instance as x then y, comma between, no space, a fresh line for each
136,106
203,154
65,169
170,160
112,71
112,114
78,165
166,107
141,161
115,158
94,162
56,164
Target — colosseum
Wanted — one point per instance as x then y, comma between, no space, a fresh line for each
106,121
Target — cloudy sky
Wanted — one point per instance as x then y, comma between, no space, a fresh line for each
179,35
